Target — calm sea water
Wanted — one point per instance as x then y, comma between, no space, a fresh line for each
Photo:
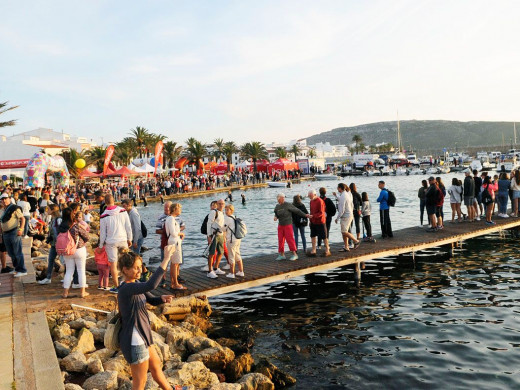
438,322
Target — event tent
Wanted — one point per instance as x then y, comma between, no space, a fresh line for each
244,165
124,171
282,164
222,168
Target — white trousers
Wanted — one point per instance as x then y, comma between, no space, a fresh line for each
77,260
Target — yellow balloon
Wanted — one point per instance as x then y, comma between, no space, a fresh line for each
80,163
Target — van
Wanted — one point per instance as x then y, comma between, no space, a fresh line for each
494,155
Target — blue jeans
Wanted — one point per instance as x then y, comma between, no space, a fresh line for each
502,202
137,250
301,229
50,261
26,226
13,244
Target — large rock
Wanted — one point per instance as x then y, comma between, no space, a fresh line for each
200,322
238,367
197,344
155,322
256,381
74,362
216,358
177,339
160,343
61,349
103,381
80,323
102,354
119,365
226,386
72,386
99,334
278,377
61,331
193,373
94,366
85,342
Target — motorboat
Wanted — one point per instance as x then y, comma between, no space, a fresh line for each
277,184
401,171
416,171
325,176
444,169
432,171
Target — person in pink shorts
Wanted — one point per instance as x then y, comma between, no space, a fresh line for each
101,258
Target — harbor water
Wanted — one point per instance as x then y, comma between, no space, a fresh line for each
433,322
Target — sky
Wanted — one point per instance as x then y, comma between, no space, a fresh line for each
268,71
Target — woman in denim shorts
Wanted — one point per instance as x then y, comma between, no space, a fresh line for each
135,337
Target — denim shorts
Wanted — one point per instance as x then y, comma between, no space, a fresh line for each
139,354
516,194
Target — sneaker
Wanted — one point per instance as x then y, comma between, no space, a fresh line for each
107,288
205,268
12,272
212,275
440,227
505,216
293,258
351,246
280,257
74,285
45,281
218,271
490,223
230,276
101,288
478,218
6,270
227,266
431,230
239,274
20,274
113,290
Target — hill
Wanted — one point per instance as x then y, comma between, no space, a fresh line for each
428,135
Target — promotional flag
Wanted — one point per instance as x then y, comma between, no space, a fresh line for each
158,151
108,156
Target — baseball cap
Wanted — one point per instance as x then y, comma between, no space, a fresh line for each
4,195
431,178
467,170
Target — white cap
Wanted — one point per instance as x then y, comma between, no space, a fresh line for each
4,195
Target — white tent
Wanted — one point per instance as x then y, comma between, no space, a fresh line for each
244,165
147,168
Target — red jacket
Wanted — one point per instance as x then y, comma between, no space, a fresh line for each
318,211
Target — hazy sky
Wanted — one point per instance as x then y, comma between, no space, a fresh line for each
255,70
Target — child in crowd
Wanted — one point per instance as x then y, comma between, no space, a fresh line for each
81,221
101,258
366,209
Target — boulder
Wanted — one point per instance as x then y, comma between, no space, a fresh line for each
61,349
103,381
36,243
226,386
119,365
102,354
74,362
99,334
94,366
239,366
81,323
68,341
61,331
236,346
155,322
256,381
199,322
150,383
197,344
36,254
216,358
278,377
193,373
164,349
85,343
72,386
177,339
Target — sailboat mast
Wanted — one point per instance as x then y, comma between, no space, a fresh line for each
398,134
514,132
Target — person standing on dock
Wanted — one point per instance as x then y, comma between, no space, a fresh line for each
12,224
469,195
330,210
135,222
384,211
318,227
215,228
422,199
478,195
283,213
346,216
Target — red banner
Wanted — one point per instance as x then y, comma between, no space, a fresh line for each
7,164
158,151
108,156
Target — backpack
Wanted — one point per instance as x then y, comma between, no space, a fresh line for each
330,208
240,229
486,196
144,230
391,198
204,226
66,244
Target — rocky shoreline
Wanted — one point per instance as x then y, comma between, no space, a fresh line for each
194,354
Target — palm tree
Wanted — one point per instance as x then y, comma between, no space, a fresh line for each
295,149
125,151
357,139
152,140
218,147
140,134
71,156
4,110
280,152
312,152
228,149
195,151
171,153
96,156
254,150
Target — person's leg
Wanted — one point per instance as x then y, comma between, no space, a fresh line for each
295,232
368,226
50,261
388,221
281,240
9,248
313,241
459,212
453,210
328,223
422,205
382,221
220,250
3,259
140,373
26,226
304,241
289,236
18,253
156,370
356,221
80,259
70,265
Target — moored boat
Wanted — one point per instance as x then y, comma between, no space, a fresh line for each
277,184
325,176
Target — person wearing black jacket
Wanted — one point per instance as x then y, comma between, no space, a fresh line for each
469,195
431,201
330,210
356,198
299,223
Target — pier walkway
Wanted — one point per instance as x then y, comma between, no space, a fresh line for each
265,269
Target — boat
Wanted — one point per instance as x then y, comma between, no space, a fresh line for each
325,176
444,169
277,184
416,171
401,171
432,171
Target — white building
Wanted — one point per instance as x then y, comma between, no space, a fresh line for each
326,150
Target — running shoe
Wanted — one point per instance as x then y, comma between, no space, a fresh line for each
431,230
280,257
239,274
226,266
114,290
20,274
478,218
7,270
212,275
218,271
490,223
205,268
293,258
230,276
45,281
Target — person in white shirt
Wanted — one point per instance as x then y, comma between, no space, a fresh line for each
115,231
346,216
233,243
174,247
26,211
215,237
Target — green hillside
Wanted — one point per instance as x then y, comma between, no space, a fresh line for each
430,135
